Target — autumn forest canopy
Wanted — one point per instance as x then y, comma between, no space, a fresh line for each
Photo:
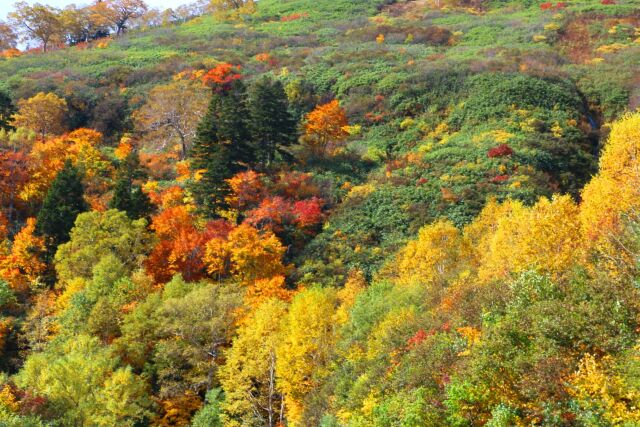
292,213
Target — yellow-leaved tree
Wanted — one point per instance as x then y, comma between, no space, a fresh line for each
231,9
347,295
436,255
249,375
304,351
596,387
613,195
43,113
512,238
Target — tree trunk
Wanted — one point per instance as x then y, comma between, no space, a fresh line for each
183,145
271,387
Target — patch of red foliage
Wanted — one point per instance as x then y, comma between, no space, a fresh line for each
308,213
502,150
549,5
374,117
499,178
274,213
295,185
417,338
293,17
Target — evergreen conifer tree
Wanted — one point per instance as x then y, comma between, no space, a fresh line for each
127,196
62,204
271,124
221,147
7,109
130,199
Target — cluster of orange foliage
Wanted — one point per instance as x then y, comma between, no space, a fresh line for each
10,53
182,237
222,75
21,265
325,127
266,58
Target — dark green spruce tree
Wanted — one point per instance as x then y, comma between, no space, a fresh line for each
62,204
128,196
221,147
272,126
7,109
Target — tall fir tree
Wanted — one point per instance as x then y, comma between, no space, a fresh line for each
272,126
7,110
221,148
128,196
62,204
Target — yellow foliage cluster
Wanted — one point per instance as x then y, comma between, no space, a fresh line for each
544,237
43,113
595,384
611,48
614,193
435,256
305,349
506,238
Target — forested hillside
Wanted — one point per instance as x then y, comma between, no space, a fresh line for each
320,213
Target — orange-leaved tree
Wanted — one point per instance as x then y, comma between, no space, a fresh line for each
181,243
23,265
325,127
221,76
252,257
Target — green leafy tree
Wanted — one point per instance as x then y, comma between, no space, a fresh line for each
98,234
94,306
272,126
10,419
80,379
123,401
140,331
210,414
198,322
130,199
